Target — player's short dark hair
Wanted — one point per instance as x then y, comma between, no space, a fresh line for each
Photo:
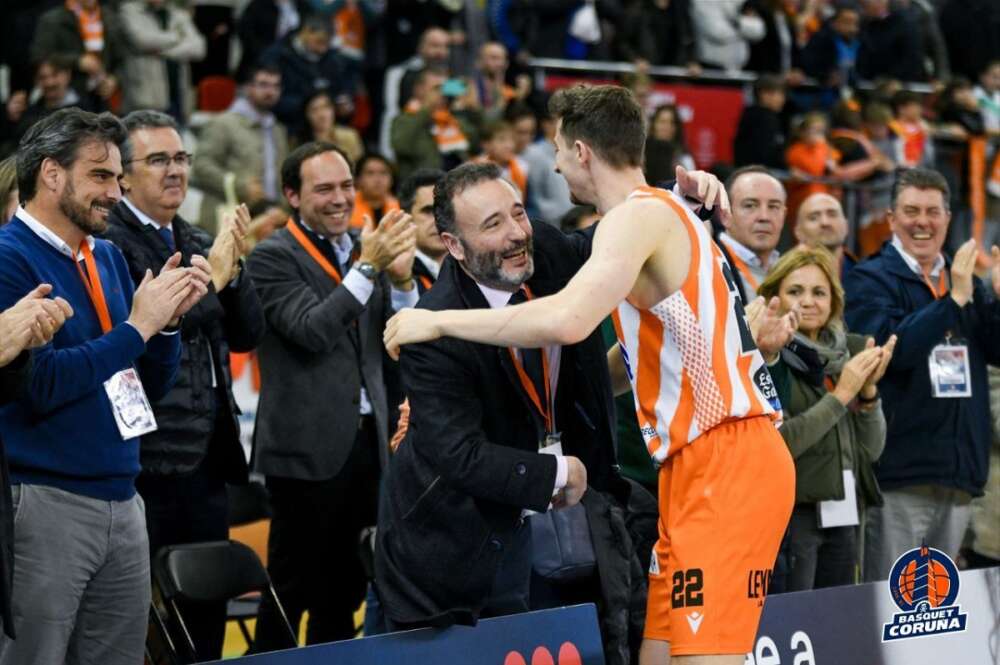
605,117
416,180
453,184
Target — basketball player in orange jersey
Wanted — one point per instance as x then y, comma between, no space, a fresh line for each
704,399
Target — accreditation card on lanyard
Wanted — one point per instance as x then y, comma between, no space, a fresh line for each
129,404
552,443
948,362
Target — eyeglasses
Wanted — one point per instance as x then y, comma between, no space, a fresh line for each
160,160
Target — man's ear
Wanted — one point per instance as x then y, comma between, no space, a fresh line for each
293,197
51,174
454,246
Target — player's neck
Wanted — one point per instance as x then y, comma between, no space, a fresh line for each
614,185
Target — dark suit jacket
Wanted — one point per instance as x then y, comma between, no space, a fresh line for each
469,465
320,344
229,320
13,380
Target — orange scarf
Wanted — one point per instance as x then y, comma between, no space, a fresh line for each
914,139
349,31
446,131
91,26
362,208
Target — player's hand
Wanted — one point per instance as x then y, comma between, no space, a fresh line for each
410,326
576,484
704,187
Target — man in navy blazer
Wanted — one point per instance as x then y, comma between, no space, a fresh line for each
938,439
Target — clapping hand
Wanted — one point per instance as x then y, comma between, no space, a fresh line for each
31,322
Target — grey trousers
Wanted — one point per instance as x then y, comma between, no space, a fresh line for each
81,591
937,516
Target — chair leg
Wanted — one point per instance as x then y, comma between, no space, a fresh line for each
246,633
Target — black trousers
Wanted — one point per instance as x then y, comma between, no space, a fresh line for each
192,508
313,547
819,558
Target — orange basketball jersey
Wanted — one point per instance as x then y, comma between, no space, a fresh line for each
691,359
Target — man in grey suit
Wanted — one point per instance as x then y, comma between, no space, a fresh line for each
322,423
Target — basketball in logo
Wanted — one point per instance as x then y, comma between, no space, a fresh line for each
924,579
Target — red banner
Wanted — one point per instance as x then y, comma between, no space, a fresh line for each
709,113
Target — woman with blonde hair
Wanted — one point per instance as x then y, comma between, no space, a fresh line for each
834,426
8,189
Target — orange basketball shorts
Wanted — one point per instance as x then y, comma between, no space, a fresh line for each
725,500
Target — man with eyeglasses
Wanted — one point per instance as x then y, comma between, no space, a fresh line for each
240,151
187,462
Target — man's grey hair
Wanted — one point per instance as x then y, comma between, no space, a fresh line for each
921,179
60,136
145,119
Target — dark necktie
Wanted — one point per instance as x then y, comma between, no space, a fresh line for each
168,237
531,359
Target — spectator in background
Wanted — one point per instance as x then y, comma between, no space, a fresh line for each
760,135
988,96
831,55
820,222
81,582
373,190
264,22
416,197
873,225
665,147
242,149
489,82
923,15
778,52
548,33
322,425
754,228
915,144
524,122
435,131
52,78
196,448
969,31
90,36
935,393
432,51
214,20
658,33
578,218
307,64
320,124
8,189
723,32
833,421
890,44
498,144
156,75
548,194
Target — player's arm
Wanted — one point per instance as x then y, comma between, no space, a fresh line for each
625,239
616,367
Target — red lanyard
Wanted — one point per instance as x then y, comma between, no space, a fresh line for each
316,255
92,283
942,288
529,386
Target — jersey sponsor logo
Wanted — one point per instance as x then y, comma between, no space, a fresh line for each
758,583
924,585
694,621
648,432
765,384
654,564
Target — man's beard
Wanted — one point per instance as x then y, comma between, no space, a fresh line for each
81,215
487,267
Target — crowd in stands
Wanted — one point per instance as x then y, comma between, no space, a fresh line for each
865,194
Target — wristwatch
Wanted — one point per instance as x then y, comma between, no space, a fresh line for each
366,269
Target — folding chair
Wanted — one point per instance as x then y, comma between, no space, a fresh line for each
211,572
216,93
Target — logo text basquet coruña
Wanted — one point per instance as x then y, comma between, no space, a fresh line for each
924,585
